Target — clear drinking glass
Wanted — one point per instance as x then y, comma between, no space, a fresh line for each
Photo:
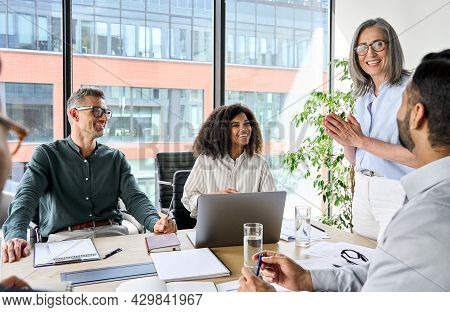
302,226
253,243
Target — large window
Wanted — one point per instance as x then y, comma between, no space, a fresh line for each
282,45
266,107
30,81
158,96
276,33
153,114
31,104
153,60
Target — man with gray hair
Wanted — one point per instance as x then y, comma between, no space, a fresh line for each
75,185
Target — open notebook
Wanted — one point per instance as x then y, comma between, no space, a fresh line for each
65,252
150,284
188,265
155,284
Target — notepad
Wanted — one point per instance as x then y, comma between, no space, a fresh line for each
159,241
156,284
188,265
65,252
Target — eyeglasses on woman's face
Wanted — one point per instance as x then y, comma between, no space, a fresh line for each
16,134
363,48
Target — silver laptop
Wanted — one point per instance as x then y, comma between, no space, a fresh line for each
221,217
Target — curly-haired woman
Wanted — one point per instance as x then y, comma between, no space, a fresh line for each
228,146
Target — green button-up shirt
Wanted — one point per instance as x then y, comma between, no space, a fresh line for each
69,189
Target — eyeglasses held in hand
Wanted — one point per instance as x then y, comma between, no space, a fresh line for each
97,111
351,256
17,134
363,48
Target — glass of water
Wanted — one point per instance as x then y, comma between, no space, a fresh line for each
253,243
302,226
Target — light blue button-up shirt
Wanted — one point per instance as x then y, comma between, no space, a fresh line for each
378,118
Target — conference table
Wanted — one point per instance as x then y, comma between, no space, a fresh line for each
134,251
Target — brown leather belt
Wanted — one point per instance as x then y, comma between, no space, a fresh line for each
90,224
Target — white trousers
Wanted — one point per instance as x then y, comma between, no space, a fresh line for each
375,201
100,231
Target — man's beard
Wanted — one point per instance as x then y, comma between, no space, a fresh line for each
98,134
404,133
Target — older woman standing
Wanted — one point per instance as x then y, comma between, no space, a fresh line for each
370,138
229,145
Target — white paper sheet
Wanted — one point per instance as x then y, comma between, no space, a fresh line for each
333,250
321,263
234,285
288,231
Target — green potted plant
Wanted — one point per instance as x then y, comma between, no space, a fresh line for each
324,160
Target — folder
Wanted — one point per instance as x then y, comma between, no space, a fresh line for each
108,274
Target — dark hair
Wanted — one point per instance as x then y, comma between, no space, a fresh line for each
362,82
430,86
214,136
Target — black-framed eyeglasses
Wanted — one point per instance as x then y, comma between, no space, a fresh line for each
351,256
378,46
17,134
97,111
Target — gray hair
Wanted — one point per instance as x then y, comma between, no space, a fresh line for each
362,82
77,97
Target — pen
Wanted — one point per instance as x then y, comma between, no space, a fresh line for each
317,228
258,268
112,253
67,262
147,245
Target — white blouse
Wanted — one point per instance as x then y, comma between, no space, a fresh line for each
248,174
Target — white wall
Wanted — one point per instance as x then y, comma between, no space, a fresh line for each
423,26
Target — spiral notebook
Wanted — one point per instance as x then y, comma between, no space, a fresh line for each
65,252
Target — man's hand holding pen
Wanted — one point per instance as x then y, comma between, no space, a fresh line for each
275,268
165,225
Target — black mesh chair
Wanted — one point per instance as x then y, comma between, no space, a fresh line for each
172,171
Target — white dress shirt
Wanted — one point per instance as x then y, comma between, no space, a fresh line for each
248,174
414,252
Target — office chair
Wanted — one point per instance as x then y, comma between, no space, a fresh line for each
134,227
177,209
172,171
5,201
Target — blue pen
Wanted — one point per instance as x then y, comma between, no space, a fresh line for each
258,268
